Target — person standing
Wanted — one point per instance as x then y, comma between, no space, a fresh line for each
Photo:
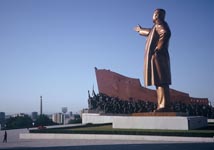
5,137
156,59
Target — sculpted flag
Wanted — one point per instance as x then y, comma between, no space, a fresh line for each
125,88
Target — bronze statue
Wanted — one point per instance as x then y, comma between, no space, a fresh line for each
156,59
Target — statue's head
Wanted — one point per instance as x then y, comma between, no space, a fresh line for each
159,15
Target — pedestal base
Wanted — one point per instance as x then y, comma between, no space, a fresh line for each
148,122
160,114
160,122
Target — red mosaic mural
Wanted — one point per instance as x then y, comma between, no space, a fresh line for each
125,88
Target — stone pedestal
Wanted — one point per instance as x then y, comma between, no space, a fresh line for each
159,114
151,121
96,118
159,122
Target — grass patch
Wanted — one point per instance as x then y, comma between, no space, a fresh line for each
107,129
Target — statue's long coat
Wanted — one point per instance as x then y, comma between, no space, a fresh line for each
157,64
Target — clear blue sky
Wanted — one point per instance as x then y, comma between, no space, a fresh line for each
50,48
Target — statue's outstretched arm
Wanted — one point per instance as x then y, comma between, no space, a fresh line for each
142,31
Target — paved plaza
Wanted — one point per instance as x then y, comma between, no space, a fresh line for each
75,144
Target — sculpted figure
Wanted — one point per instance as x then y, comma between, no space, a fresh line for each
156,60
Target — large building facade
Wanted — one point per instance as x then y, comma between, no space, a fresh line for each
58,118
125,88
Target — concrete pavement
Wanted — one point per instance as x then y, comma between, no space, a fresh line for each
82,144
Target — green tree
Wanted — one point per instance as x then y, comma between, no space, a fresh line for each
19,122
77,119
44,120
